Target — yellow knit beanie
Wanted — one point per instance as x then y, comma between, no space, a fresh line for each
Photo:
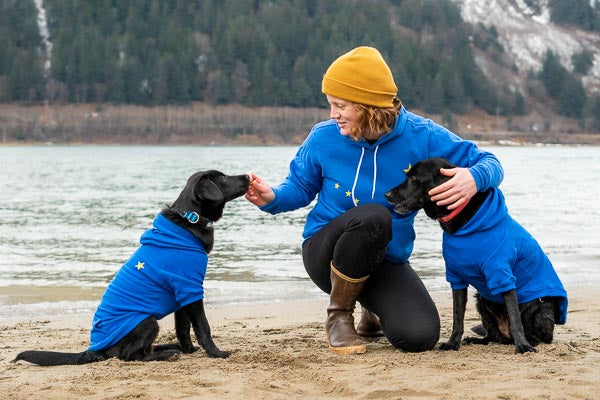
361,76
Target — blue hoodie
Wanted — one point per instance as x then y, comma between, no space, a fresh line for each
346,173
494,253
164,274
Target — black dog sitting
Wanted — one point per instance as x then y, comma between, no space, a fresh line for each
520,296
163,276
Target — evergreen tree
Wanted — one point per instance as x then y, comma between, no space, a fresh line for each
582,62
240,82
24,81
579,13
218,90
592,113
552,74
572,97
519,104
21,52
434,101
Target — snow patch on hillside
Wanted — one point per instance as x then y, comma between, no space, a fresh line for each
43,29
527,33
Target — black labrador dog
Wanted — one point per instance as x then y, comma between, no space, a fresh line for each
163,276
520,297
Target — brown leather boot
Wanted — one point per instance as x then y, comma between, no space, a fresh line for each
339,326
369,325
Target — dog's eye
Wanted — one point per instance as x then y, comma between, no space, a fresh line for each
412,178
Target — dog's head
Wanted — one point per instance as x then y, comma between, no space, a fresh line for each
206,193
412,194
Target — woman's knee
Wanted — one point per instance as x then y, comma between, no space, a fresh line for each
378,219
414,339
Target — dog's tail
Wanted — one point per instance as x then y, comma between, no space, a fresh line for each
49,358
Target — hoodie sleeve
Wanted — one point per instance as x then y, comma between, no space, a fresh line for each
302,183
483,165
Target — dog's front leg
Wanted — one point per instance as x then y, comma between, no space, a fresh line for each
459,305
182,330
516,326
195,312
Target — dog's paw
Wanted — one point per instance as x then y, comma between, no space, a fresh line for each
524,348
190,350
449,346
219,354
476,340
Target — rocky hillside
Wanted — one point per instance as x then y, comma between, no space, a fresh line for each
526,33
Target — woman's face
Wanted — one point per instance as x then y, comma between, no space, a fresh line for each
344,113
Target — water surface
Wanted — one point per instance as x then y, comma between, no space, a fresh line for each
70,216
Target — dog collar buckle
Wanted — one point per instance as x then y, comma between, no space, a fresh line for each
191,216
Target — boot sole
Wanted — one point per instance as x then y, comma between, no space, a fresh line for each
346,350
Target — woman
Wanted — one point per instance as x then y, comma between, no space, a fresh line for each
356,248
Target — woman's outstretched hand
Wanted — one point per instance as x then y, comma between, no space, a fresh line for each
259,192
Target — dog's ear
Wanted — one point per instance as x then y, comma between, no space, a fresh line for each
446,164
207,190
439,163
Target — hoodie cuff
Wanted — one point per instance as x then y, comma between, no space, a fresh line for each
477,178
271,207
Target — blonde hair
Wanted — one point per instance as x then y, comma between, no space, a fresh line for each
374,121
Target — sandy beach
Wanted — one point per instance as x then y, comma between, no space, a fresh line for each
280,351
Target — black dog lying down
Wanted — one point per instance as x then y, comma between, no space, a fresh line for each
164,275
520,297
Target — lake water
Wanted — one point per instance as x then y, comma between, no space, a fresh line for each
70,216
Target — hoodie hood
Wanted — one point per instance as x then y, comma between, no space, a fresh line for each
492,211
165,233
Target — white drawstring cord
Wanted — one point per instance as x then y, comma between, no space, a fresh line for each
374,171
356,176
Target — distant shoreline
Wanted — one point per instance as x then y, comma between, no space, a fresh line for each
203,124
514,141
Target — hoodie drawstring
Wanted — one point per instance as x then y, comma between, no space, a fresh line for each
362,154
374,171
356,176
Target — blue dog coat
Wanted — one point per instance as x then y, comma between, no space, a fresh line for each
494,253
164,274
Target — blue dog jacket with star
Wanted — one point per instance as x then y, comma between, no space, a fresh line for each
164,274
494,253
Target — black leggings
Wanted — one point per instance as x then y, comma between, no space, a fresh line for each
356,242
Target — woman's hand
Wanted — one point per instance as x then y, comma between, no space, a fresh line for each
459,189
259,192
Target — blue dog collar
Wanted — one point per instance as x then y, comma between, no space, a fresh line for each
193,218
